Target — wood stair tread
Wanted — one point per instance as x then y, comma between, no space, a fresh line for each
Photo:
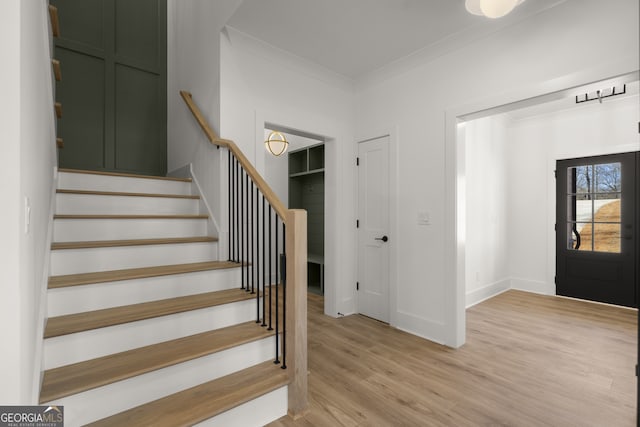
204,401
189,216
90,374
134,242
126,194
79,322
136,273
125,175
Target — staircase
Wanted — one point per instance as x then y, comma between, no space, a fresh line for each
146,326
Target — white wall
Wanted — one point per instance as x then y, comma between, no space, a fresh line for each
193,64
535,143
487,251
544,51
12,367
261,84
29,159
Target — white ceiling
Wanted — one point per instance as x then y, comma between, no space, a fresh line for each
355,37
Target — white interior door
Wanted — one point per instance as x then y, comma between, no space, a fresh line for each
373,229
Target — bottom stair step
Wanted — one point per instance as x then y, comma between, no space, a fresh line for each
204,401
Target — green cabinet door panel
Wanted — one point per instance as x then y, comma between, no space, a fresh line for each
113,57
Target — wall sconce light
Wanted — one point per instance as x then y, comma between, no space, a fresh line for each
276,143
491,8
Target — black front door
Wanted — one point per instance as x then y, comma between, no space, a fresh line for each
596,228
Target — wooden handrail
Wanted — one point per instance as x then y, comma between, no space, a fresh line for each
296,271
262,185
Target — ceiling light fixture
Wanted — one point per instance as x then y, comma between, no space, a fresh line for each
276,143
491,8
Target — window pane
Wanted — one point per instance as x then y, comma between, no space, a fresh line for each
607,196
585,230
608,210
583,210
579,236
583,180
607,238
608,178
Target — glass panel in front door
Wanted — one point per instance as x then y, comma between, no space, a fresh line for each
594,198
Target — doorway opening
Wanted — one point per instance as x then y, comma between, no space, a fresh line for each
297,178
530,230
510,161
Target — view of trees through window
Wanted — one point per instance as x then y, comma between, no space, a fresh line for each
594,207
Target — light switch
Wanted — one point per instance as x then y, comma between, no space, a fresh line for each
424,218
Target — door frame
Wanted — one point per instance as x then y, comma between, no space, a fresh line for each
394,232
333,267
454,327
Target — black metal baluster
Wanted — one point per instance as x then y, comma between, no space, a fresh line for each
237,205
270,262
235,192
277,286
252,246
284,296
242,259
264,254
230,195
257,248
246,231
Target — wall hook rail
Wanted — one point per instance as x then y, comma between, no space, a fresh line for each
601,94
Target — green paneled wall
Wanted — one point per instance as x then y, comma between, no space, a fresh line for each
113,92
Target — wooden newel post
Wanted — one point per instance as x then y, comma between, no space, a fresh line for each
296,319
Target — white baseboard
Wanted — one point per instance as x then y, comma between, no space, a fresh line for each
535,286
425,328
488,291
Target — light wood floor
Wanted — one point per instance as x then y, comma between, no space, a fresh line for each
529,360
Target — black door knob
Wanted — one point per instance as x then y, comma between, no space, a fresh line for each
383,238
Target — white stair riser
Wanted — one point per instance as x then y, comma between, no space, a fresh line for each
80,230
77,299
72,261
104,401
255,413
92,182
72,348
86,204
